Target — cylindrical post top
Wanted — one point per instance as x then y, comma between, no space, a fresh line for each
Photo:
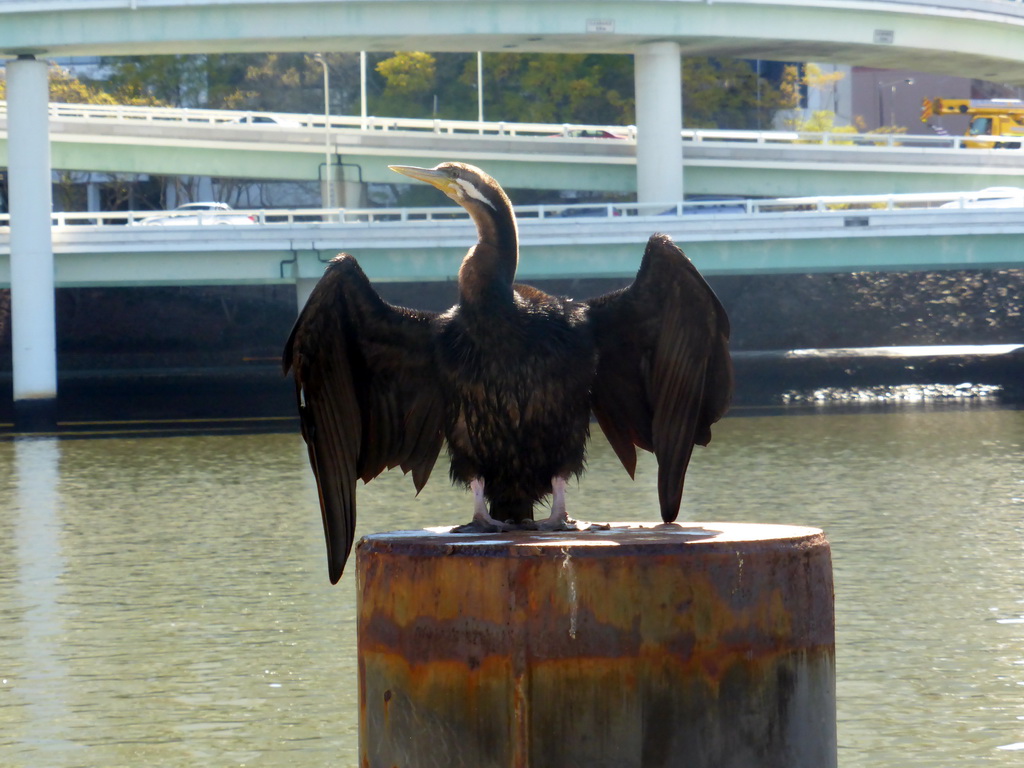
696,644
619,540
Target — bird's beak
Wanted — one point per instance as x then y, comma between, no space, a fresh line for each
432,176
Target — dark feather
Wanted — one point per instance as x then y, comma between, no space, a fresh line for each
367,394
664,374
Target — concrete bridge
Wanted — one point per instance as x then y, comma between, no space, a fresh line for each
788,235
980,38
968,38
240,145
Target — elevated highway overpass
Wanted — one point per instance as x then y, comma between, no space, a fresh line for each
968,38
248,145
790,235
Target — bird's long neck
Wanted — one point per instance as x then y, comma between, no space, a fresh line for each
489,269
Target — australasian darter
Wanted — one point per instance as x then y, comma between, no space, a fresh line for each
508,376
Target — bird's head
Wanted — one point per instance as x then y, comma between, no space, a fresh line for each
466,184
493,260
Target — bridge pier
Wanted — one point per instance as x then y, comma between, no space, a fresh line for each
352,194
33,321
331,192
657,72
340,191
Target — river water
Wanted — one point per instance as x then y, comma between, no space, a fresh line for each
164,602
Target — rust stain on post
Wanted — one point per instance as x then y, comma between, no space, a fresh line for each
700,644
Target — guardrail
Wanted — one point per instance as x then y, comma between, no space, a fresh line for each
1010,198
285,120
573,131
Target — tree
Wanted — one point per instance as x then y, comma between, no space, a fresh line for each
407,85
408,73
293,82
273,82
579,88
728,93
557,88
180,81
599,89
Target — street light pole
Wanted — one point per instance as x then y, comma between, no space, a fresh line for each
362,87
328,180
480,89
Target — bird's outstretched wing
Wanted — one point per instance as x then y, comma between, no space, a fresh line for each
664,374
367,392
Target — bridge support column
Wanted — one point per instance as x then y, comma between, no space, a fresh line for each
659,120
352,194
33,322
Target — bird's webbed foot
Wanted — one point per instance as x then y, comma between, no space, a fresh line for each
482,521
559,519
484,525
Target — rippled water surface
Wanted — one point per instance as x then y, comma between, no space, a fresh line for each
165,602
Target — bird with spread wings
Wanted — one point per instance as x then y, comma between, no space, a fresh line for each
508,377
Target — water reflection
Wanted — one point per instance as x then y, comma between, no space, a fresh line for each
36,608
165,602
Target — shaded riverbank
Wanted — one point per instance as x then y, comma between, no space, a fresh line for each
210,354
195,326
256,397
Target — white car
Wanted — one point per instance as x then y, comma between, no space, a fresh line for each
990,197
265,120
195,214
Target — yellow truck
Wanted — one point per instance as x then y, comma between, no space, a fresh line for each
989,117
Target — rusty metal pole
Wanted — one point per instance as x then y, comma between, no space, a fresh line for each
699,645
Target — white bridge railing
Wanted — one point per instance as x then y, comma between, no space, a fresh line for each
1011,199
291,121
